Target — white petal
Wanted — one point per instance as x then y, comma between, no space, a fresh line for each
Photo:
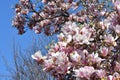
33,56
37,55
69,38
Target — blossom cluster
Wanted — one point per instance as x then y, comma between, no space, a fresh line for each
83,54
88,46
41,18
88,50
48,15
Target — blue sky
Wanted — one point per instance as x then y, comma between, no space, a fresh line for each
8,35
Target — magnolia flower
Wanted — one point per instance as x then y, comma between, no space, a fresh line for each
110,77
74,56
70,28
100,73
84,72
59,57
56,47
65,38
48,64
69,38
110,40
117,66
102,13
107,23
61,37
64,44
104,51
57,61
63,68
38,57
102,25
84,37
94,58
117,5
115,76
117,29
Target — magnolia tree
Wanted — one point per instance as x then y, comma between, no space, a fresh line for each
88,46
49,15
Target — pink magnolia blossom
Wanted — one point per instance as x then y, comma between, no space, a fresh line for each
102,25
104,51
69,28
56,47
110,40
63,68
61,37
74,56
114,19
84,72
49,65
117,29
117,66
38,57
101,73
61,57
84,36
115,76
94,58
117,5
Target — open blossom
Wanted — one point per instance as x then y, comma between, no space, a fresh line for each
69,38
57,61
84,72
48,64
101,23
70,28
110,40
74,56
104,51
117,5
38,57
63,68
117,29
115,76
61,57
63,44
117,66
56,47
84,36
61,37
65,38
94,58
100,73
